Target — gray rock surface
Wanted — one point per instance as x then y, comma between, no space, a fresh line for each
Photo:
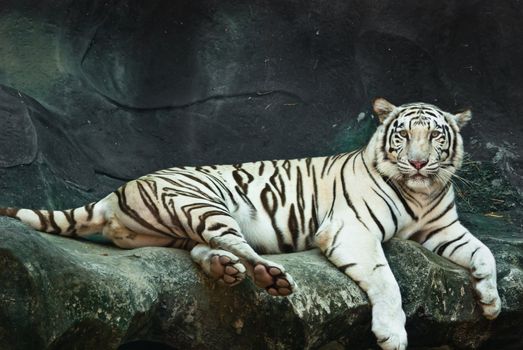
59,293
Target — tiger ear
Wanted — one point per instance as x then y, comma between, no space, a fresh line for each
462,118
382,108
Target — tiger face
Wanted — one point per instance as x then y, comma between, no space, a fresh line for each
419,145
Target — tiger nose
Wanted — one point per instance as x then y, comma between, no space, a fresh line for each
418,164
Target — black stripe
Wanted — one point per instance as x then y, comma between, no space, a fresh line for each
454,143
293,227
331,250
442,214
432,233
239,179
440,197
410,197
231,231
354,156
299,197
444,246
474,252
308,165
343,268
246,199
203,219
286,165
56,228
216,226
43,221
385,136
376,183
260,170
336,158
122,204
198,180
271,211
400,197
331,209
325,162
168,205
346,194
278,186
376,221
69,215
151,205
89,209
392,215
378,266
458,246
333,246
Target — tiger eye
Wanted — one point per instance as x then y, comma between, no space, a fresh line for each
403,133
435,133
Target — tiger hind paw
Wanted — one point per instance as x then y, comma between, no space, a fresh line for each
226,269
274,279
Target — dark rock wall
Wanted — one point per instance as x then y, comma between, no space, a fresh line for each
124,88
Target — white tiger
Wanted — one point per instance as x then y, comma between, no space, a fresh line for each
346,205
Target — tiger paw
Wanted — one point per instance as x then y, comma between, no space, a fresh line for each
390,337
488,298
484,273
388,324
397,341
274,279
226,268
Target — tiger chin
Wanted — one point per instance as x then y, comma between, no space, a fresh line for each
398,185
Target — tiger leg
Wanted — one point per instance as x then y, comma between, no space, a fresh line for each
223,232
123,237
458,245
219,264
359,255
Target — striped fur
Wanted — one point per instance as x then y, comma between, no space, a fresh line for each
345,204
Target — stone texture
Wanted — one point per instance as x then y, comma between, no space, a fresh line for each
17,135
59,293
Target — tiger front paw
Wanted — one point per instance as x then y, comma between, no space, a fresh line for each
388,325
488,297
273,278
484,273
391,338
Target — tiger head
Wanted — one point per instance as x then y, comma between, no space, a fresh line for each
418,145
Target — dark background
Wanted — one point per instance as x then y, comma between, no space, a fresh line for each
97,92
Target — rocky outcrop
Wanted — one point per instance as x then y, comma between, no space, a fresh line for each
59,293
